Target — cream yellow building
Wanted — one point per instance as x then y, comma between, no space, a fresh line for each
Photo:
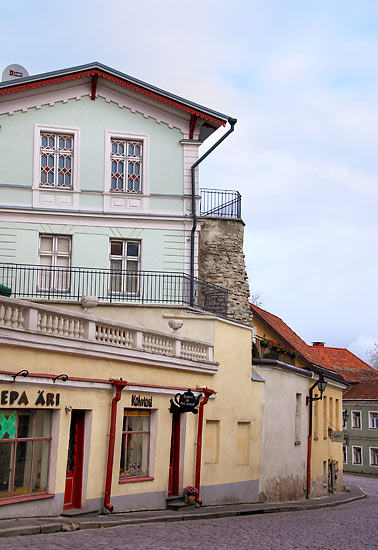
85,419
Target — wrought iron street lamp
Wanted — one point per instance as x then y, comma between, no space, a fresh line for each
321,383
345,418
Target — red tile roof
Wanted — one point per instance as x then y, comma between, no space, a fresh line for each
287,334
345,362
339,360
365,389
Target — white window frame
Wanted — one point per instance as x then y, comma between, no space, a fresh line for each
345,423
54,254
362,455
124,258
370,420
345,454
75,132
145,140
351,420
371,454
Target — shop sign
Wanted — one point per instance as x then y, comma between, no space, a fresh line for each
139,401
184,402
337,435
13,398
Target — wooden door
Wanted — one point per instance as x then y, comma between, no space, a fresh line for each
174,462
74,470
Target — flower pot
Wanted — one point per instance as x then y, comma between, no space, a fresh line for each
190,498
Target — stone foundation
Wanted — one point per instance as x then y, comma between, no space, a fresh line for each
282,489
221,262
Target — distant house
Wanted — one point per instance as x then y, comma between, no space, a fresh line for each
360,401
290,368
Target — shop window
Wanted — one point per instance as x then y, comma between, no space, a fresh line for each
25,440
356,420
135,448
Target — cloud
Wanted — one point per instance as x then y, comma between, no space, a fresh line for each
302,81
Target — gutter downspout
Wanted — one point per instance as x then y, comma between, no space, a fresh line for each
207,394
119,385
309,442
232,122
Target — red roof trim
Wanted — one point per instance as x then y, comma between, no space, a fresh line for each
83,74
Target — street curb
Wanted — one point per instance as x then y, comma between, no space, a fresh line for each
85,525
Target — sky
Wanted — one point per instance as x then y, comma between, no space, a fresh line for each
302,80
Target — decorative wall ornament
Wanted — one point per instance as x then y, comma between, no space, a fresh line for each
175,324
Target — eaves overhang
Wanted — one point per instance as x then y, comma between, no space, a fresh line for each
98,69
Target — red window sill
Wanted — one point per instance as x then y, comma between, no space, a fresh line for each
15,500
135,479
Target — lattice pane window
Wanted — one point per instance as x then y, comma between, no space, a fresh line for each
56,160
126,166
55,257
124,266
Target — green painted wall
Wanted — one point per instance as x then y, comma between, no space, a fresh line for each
363,437
93,118
161,250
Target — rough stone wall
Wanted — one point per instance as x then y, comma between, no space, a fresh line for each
221,262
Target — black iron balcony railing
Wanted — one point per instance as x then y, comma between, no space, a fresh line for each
220,203
139,287
267,349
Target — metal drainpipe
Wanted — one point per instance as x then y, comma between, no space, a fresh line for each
232,122
207,394
309,442
119,385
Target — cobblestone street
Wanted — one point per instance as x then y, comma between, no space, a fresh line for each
350,526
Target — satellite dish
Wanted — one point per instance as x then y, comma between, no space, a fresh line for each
13,72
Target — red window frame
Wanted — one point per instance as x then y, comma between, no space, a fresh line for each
16,440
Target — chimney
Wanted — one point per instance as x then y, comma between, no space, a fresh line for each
318,344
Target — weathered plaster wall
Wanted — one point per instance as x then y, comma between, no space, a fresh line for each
283,475
221,262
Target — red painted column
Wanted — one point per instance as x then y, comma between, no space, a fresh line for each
119,385
207,392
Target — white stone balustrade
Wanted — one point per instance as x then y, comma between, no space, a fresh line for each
47,320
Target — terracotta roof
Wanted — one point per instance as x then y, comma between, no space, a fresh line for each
365,389
287,334
339,360
345,362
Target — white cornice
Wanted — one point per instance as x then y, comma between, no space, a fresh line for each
127,99
91,349
95,219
